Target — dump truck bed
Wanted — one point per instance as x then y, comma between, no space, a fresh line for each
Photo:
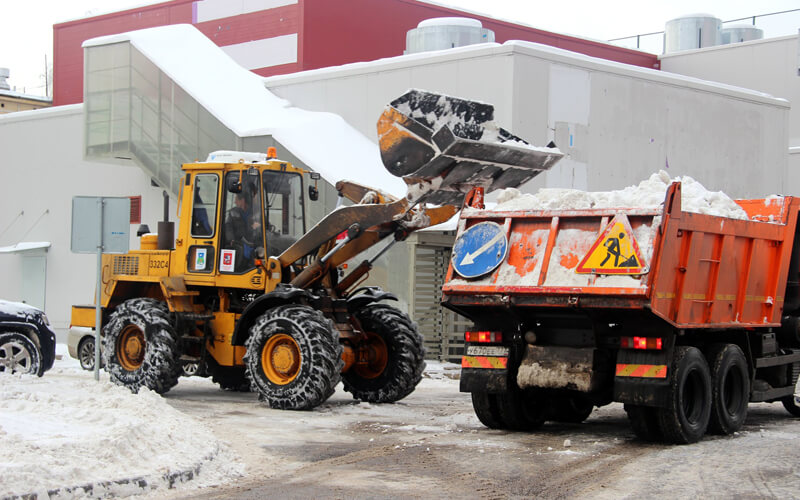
692,270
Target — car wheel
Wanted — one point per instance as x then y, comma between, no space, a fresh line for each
18,354
86,353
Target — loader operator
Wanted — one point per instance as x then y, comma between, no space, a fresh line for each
242,232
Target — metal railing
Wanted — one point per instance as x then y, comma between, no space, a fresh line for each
658,36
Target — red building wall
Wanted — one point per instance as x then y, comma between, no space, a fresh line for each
68,37
364,30
329,33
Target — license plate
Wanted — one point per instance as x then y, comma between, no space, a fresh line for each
487,350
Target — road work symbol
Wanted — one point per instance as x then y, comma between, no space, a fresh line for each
480,249
614,252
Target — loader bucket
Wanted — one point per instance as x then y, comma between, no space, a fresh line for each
444,146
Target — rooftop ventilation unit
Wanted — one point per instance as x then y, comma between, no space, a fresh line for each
3,76
446,33
691,32
736,33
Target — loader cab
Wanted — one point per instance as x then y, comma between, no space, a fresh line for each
241,213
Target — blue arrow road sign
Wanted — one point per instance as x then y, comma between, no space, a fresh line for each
480,249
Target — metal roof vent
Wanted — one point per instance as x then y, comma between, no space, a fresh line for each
736,33
3,76
446,33
694,31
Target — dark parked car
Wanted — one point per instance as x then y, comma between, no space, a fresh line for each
27,344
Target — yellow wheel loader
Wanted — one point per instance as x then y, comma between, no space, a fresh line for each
245,294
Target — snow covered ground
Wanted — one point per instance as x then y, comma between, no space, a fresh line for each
66,430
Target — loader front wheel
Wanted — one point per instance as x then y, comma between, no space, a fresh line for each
293,357
141,346
395,356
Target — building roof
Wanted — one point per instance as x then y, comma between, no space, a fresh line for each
239,99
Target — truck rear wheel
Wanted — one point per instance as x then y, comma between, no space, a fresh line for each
571,409
685,419
141,346
486,410
518,412
293,357
644,422
397,356
730,388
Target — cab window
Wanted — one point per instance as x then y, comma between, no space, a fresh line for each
204,205
283,210
242,234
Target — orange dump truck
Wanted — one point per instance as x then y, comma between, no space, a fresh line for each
683,317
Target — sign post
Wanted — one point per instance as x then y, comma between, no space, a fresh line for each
100,224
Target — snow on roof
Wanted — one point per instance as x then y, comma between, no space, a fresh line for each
23,246
238,98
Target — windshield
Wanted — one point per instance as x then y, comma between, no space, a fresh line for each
283,210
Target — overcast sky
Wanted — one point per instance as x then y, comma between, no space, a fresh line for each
26,38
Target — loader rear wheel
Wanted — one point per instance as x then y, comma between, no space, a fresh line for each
791,405
141,346
396,356
644,422
686,417
486,410
730,388
293,357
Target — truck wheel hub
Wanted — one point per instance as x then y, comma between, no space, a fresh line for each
281,359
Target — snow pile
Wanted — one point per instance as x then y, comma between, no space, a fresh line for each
65,430
649,193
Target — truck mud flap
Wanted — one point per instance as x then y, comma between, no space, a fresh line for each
442,146
641,378
494,381
554,367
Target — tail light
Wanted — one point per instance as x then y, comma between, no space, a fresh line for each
483,336
651,343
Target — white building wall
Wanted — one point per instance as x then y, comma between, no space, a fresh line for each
618,124
42,169
769,66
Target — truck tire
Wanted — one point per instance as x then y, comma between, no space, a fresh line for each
730,388
18,354
293,357
644,422
685,419
486,410
141,347
398,361
518,412
570,409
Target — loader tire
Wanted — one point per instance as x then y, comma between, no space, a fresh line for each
397,361
293,357
791,405
685,419
730,388
644,422
141,347
486,410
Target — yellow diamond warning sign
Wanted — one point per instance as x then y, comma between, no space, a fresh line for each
614,252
